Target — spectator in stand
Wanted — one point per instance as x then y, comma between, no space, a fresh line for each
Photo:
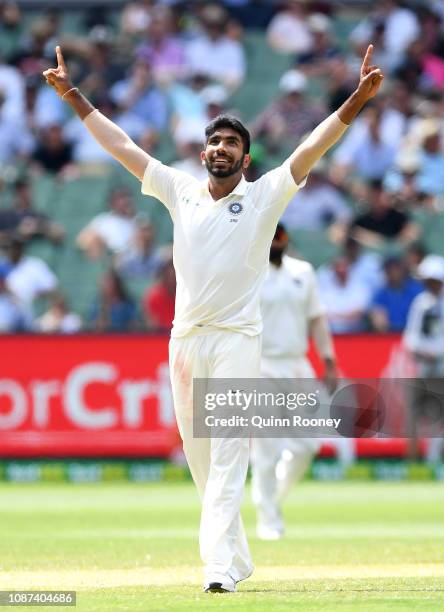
391,303
317,205
32,56
382,222
39,41
29,278
289,31
415,254
32,84
214,97
86,152
189,144
161,50
340,82
12,86
11,28
422,70
364,266
346,298
317,61
25,221
213,53
15,139
195,108
53,153
401,180
186,100
419,169
101,66
430,176
431,23
142,259
112,231
394,25
365,151
138,95
159,300
12,319
290,117
58,319
136,17
113,310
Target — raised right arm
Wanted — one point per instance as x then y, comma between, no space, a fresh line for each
114,140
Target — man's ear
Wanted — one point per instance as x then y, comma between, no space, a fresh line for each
247,161
202,157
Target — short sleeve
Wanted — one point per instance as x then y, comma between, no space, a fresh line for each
165,183
276,188
98,222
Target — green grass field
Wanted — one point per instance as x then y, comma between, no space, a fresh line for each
349,546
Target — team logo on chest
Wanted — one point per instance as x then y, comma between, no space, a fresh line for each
235,208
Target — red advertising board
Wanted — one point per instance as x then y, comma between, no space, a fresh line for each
85,396
109,396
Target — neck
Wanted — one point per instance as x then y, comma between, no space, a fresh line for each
221,187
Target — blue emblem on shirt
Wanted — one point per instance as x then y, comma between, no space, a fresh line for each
235,208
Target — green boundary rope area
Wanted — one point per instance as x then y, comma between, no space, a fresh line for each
161,471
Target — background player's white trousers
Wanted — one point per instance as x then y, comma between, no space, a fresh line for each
218,465
291,455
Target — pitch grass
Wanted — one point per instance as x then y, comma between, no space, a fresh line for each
349,546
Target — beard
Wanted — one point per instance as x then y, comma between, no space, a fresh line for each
276,254
224,172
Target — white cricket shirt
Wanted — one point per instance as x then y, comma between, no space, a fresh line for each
425,324
220,247
289,300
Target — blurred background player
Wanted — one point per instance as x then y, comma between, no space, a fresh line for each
424,337
291,313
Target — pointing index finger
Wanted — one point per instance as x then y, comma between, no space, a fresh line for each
368,57
60,60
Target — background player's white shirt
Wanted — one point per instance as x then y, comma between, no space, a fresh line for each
425,325
220,247
289,300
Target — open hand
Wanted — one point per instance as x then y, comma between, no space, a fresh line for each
371,76
58,77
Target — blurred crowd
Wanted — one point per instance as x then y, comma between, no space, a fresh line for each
162,70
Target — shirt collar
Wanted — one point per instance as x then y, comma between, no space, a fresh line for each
239,190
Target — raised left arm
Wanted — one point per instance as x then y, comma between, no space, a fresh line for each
331,129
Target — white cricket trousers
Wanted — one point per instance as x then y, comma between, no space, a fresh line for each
218,465
266,453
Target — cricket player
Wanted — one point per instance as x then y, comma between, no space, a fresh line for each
291,313
424,337
223,230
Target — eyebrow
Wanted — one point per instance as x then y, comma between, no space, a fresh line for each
233,137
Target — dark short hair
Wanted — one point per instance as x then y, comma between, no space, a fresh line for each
228,121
